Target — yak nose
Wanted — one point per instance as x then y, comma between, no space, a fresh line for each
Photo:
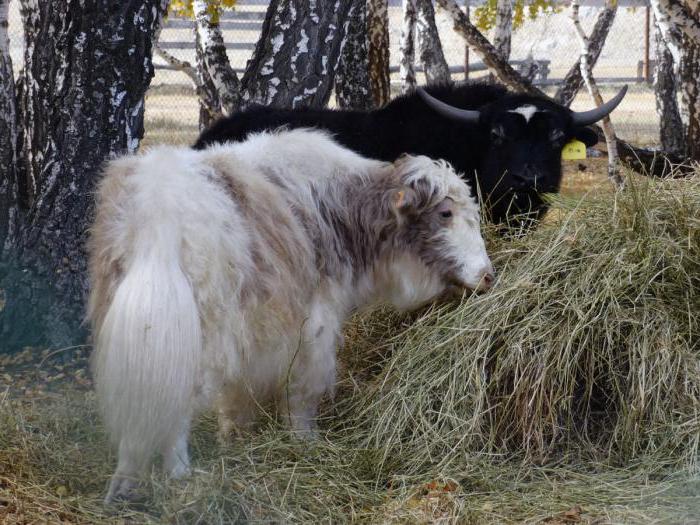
487,278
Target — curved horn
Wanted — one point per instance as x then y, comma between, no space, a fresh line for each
584,118
465,115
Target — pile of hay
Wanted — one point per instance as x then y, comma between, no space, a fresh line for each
570,392
590,341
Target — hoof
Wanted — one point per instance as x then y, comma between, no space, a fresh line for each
121,489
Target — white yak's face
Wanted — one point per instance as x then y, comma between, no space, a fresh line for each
440,246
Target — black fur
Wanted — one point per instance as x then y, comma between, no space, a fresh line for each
509,162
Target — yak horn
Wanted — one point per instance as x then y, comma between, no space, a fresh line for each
465,115
584,118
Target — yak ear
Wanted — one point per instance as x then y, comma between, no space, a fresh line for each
586,135
403,201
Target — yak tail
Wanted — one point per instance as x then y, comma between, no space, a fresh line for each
148,350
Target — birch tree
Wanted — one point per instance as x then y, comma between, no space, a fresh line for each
87,65
293,64
8,129
432,56
587,74
352,88
679,25
504,28
573,80
378,50
407,48
671,132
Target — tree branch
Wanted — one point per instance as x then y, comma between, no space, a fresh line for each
587,73
488,54
180,65
574,80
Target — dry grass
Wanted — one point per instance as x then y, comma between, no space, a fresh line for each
569,394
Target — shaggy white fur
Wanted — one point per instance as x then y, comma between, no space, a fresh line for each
223,278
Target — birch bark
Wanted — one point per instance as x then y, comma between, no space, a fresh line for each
87,65
431,54
407,60
486,51
587,74
8,129
599,34
295,60
503,28
352,88
213,63
671,132
378,51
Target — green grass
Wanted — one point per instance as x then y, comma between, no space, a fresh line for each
570,393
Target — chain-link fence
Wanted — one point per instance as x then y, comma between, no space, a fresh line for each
172,110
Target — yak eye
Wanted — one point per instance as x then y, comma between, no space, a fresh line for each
556,135
444,209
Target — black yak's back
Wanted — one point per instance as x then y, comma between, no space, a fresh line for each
349,128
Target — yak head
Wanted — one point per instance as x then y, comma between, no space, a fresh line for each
523,139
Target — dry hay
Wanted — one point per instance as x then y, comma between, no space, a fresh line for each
569,394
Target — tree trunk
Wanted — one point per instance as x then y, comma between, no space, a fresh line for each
587,73
666,89
8,130
378,51
574,80
502,34
679,24
678,15
352,88
207,93
504,28
297,55
407,61
212,58
430,48
87,66
690,90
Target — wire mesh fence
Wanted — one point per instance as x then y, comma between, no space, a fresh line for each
172,111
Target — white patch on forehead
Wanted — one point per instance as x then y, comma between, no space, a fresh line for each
526,111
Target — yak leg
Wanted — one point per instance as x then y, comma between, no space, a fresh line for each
125,478
313,374
236,409
176,459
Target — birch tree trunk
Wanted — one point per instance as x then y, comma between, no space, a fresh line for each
587,73
672,136
352,88
294,61
215,69
690,88
504,28
599,34
8,129
87,66
431,55
679,24
378,51
502,34
407,61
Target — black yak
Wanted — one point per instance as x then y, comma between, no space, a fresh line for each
507,145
